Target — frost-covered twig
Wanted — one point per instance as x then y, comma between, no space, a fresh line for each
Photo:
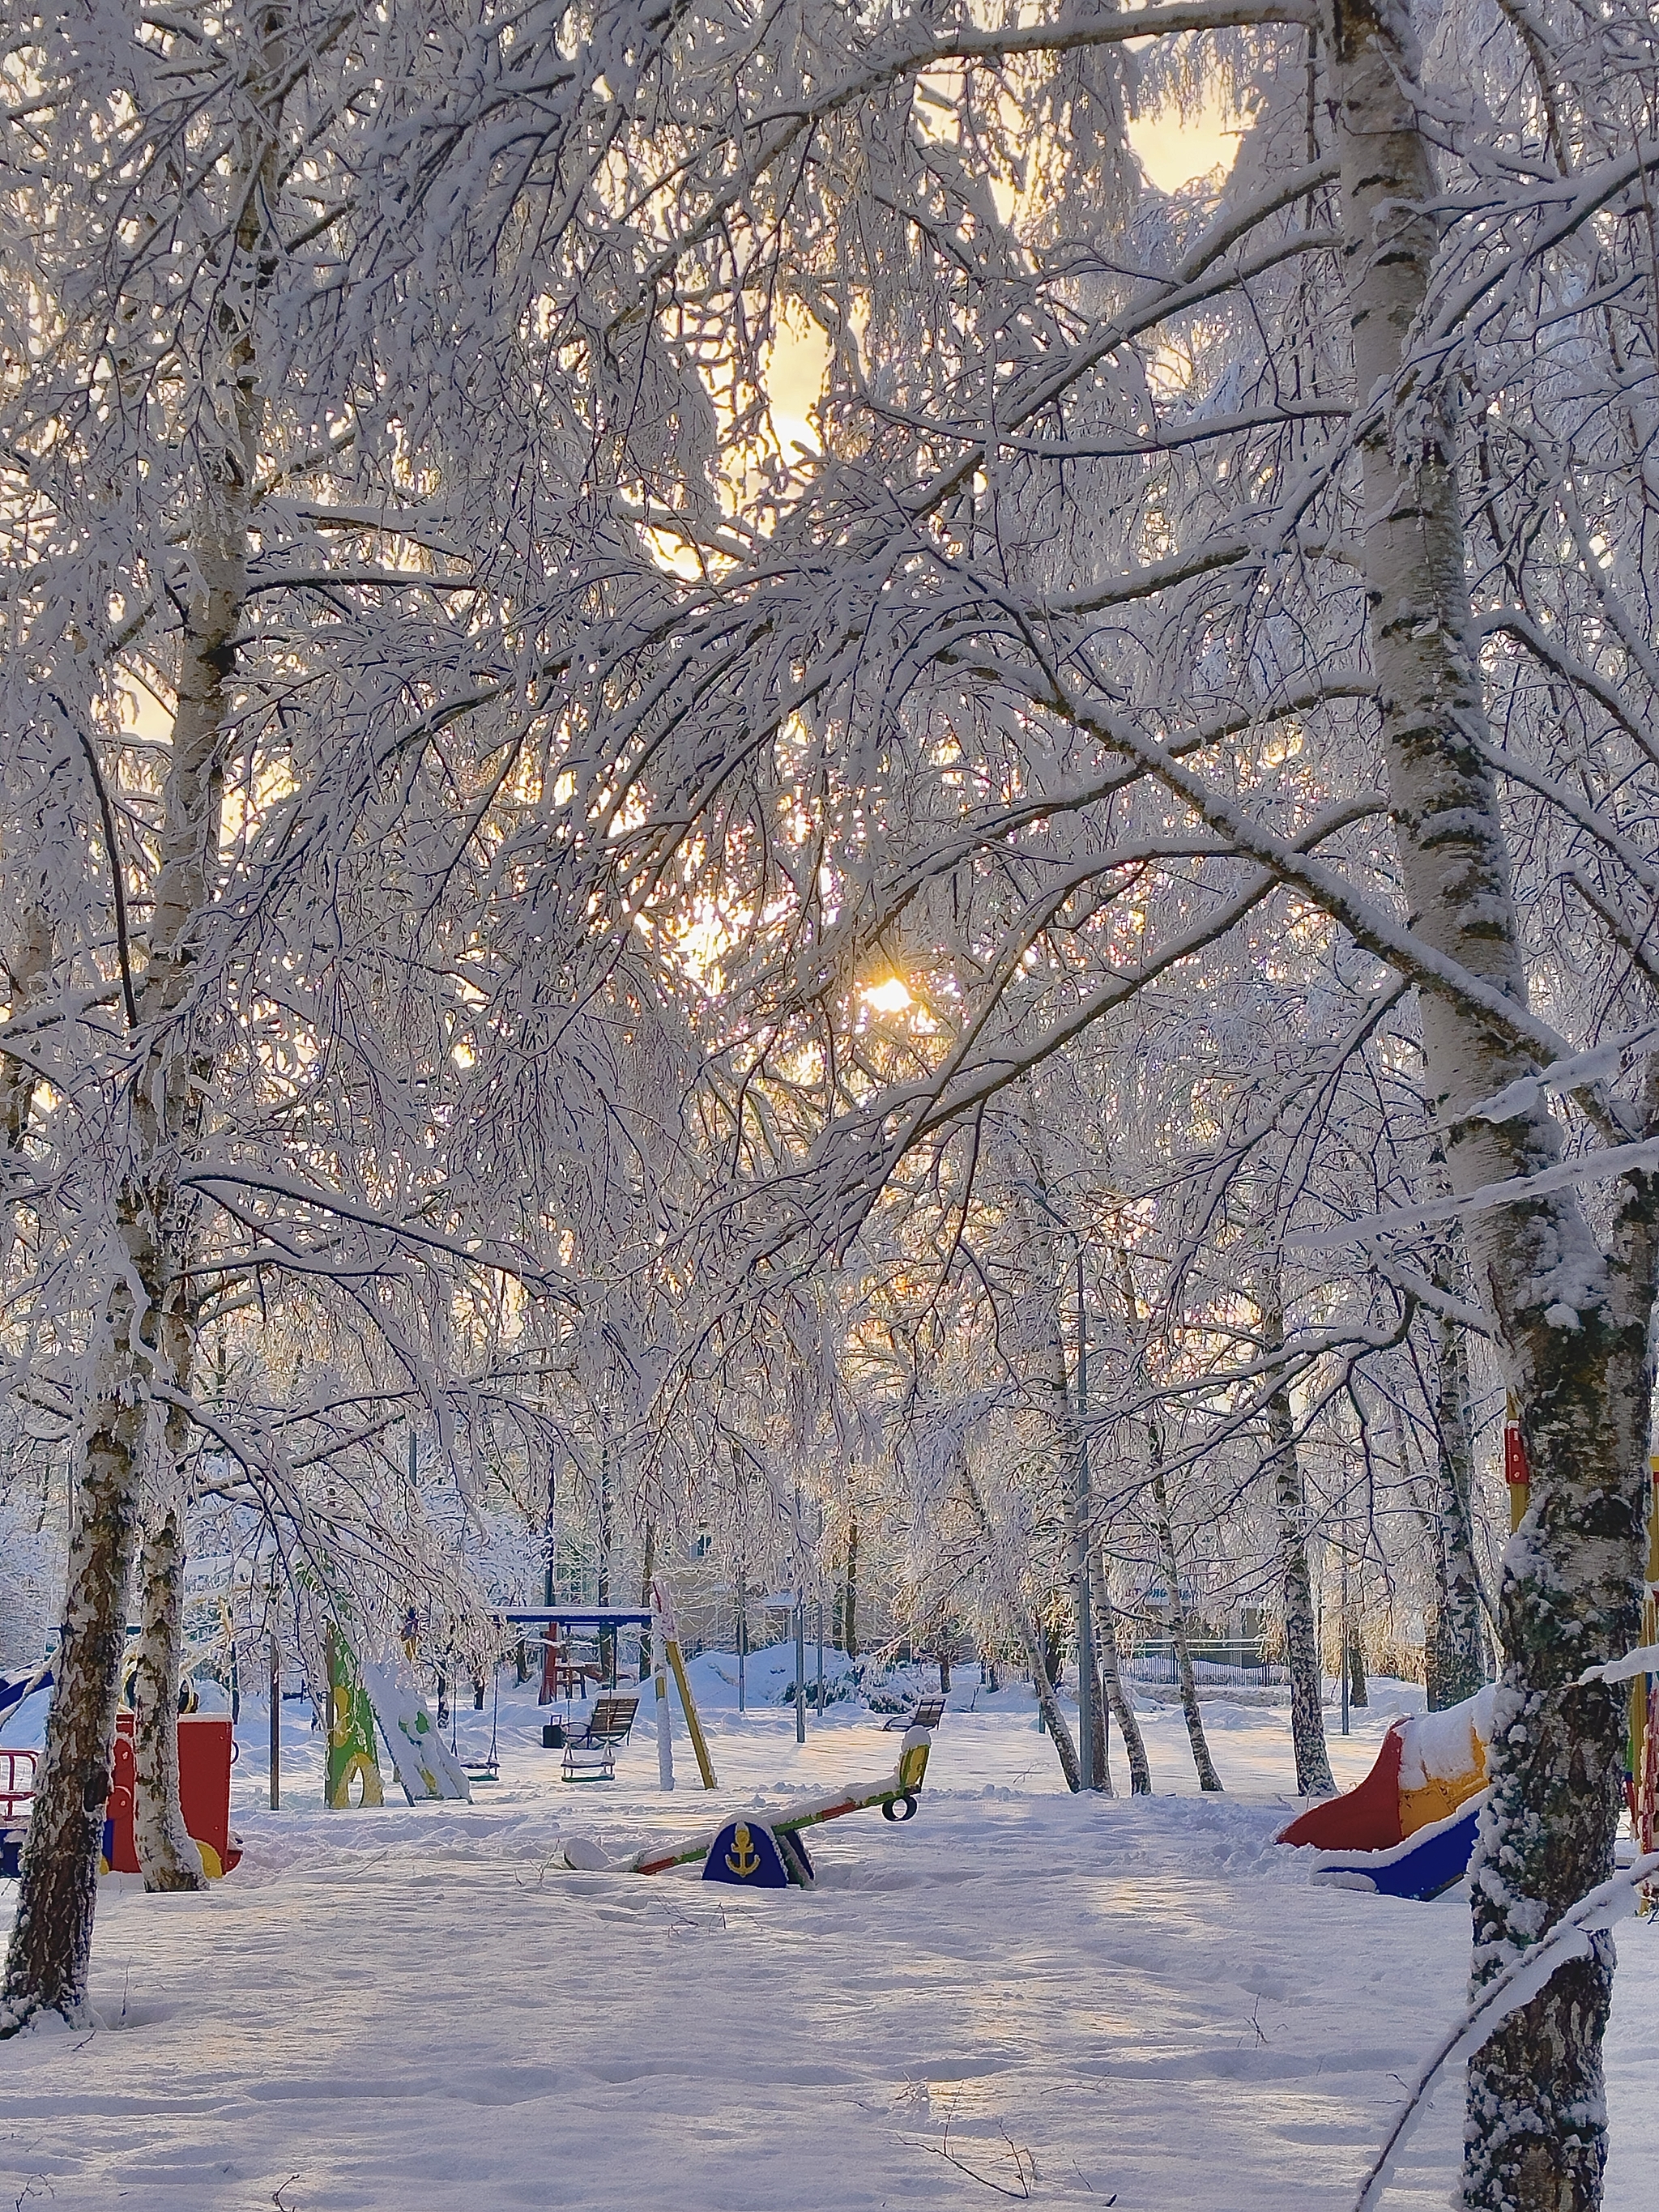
1600,1166
1644,1660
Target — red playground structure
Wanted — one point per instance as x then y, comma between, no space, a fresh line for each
206,1750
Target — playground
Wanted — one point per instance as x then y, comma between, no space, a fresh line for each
1144,2003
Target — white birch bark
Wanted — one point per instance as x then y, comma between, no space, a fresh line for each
27,963
1573,1321
142,1357
1099,1718
168,1857
1123,1712
1459,1659
1207,1776
1045,1375
1303,1658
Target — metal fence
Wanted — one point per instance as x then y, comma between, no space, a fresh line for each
1218,1663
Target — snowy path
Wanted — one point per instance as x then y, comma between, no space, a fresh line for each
414,2009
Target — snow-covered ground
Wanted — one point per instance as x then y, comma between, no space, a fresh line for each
1140,2004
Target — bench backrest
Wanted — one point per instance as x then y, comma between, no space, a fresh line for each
612,1716
929,1712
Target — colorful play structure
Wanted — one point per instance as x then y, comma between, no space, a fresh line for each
16,1788
1409,1828
373,1702
754,1854
364,1695
206,1752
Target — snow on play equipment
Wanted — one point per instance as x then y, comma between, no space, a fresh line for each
1409,1828
425,1764
14,1689
364,1694
1403,1828
206,1754
749,1855
1427,1862
658,1620
726,1858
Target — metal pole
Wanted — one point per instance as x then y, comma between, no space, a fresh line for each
1344,1619
800,1667
551,1575
276,1728
743,1639
820,1658
1085,1646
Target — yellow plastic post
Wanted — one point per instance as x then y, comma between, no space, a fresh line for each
671,1639
694,1726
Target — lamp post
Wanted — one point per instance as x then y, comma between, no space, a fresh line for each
1086,1640
1086,1630
799,1623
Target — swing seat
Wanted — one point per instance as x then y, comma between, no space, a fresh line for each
590,1755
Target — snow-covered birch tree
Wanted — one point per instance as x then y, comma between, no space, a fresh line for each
290,505
1132,607
1125,565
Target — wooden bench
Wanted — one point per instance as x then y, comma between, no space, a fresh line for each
928,1712
591,1755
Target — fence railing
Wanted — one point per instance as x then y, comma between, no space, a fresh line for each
1217,1663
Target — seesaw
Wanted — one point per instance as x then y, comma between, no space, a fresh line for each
770,1854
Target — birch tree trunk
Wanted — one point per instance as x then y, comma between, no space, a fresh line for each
1357,1692
27,964
167,1858
1025,1628
170,1113
849,1602
1460,1658
1045,1377
1123,1712
1573,1318
1099,1731
52,1936
1313,1763
140,1356
1207,1776
647,1576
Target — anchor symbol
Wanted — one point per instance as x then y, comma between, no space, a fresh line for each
742,1859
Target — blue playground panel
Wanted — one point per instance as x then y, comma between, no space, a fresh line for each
745,1854
1419,1868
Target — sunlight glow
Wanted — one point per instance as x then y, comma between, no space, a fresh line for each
892,997
1174,150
